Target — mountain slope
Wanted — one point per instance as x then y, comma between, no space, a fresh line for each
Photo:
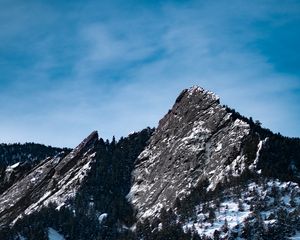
53,180
197,141
16,160
199,152
99,209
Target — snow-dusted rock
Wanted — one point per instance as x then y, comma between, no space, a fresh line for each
196,140
53,180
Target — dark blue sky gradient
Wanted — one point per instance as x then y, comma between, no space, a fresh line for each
69,67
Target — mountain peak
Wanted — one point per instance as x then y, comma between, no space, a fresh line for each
90,139
197,92
195,142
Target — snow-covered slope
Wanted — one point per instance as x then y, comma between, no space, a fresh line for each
53,180
236,211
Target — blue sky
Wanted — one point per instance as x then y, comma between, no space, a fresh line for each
70,67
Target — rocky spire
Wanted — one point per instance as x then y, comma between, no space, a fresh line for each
196,140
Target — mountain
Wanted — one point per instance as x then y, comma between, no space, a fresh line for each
18,159
211,168
206,172
200,142
52,181
197,141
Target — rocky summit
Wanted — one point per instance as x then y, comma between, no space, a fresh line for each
197,140
206,172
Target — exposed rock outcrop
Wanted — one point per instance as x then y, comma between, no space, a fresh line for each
53,180
196,140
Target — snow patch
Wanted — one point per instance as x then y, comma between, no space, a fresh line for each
219,147
54,235
102,217
295,237
259,147
233,211
12,167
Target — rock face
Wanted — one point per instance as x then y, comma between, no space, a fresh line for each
196,140
54,180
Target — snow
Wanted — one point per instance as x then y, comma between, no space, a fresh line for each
154,210
12,167
295,237
195,89
237,209
219,147
197,131
15,165
259,147
20,237
241,123
54,235
102,217
228,211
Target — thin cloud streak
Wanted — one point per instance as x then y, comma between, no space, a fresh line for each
121,71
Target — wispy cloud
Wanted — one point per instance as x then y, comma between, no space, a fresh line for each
72,68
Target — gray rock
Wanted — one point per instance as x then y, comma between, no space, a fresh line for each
196,140
53,180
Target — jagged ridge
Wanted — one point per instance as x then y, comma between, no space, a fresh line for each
53,180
